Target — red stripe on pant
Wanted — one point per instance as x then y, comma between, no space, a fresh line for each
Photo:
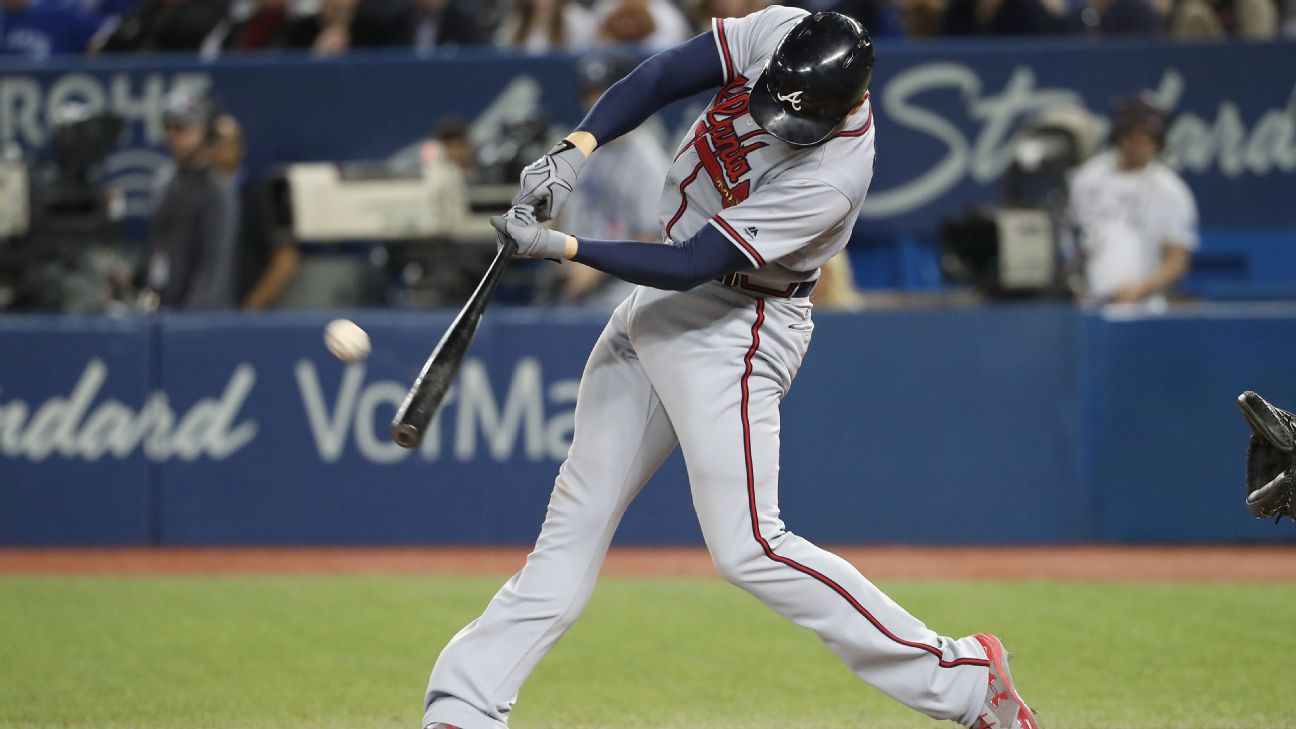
755,520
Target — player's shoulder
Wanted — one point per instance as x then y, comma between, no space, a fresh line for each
845,161
779,14
757,33
770,17
837,177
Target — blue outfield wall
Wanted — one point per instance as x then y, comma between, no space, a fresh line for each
990,425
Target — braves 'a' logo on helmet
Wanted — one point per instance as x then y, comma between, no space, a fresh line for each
794,97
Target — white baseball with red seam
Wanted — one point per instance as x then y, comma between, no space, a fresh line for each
346,340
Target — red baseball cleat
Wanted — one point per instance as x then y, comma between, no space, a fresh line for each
1004,707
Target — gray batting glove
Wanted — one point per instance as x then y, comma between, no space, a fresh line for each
546,183
533,239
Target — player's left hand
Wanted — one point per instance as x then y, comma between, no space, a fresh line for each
533,239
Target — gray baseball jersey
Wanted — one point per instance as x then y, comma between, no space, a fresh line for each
788,209
706,370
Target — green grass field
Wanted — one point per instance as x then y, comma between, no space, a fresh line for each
320,652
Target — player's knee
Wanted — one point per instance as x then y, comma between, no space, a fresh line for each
572,509
736,564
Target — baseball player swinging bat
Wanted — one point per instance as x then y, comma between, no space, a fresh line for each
765,187
432,383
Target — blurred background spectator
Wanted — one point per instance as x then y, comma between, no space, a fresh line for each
451,142
1137,218
881,17
252,26
37,30
193,230
1119,17
537,26
653,24
266,256
265,266
1202,19
164,25
426,25
342,25
1001,17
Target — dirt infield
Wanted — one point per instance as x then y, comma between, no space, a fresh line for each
1129,564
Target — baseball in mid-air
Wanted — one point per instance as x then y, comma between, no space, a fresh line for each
346,340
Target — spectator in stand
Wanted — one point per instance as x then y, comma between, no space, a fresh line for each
1119,17
608,201
37,30
427,25
452,143
539,26
342,25
876,15
267,259
1137,219
252,26
164,25
653,24
1000,17
194,223
1256,19
920,18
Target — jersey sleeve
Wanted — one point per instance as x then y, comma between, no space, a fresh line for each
744,44
781,218
1177,217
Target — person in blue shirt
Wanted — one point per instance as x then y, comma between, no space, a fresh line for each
38,30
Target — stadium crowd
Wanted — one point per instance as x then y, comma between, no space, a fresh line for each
38,29
216,239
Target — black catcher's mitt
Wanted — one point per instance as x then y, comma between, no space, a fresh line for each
1271,458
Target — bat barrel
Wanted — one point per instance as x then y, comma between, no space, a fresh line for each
432,384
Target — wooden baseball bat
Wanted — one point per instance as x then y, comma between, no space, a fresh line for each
425,395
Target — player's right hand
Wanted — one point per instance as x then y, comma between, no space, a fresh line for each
533,239
547,182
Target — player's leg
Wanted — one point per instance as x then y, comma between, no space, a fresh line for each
724,403
621,436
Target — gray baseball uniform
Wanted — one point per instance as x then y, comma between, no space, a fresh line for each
706,369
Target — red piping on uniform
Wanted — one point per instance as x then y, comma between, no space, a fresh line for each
724,48
862,130
739,240
755,520
683,199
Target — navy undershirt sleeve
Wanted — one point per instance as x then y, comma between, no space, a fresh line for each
689,68
705,256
